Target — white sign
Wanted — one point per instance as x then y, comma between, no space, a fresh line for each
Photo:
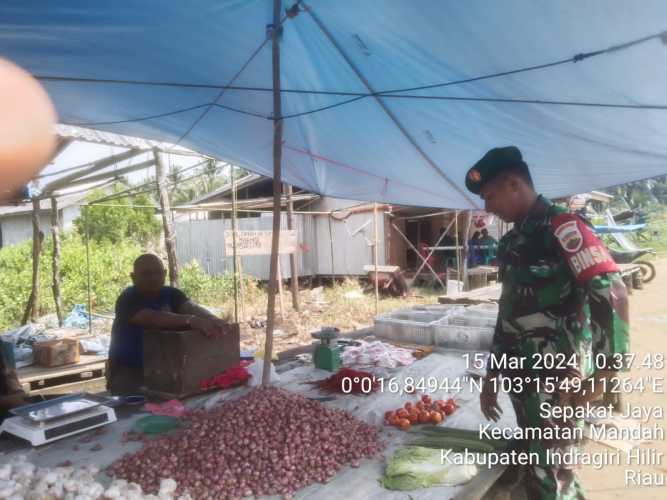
259,242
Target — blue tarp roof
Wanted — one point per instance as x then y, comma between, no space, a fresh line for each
396,149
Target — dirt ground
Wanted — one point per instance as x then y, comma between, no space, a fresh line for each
347,305
648,315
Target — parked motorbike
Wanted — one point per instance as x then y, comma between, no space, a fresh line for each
635,257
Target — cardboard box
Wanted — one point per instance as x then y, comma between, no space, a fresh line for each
50,353
175,363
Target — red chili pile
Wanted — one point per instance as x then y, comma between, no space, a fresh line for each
348,381
270,442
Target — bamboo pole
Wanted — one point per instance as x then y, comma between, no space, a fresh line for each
281,297
375,258
466,249
55,286
294,265
235,253
90,294
32,308
169,236
458,252
331,246
277,167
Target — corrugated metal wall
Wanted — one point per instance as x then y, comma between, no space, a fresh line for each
203,241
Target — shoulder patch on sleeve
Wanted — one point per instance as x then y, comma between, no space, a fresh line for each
586,255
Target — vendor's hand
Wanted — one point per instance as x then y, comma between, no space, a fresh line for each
13,401
488,401
210,327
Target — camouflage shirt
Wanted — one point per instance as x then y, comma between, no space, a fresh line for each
561,293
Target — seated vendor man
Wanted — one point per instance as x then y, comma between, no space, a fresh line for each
11,395
149,304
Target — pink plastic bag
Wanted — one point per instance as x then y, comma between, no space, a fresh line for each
171,408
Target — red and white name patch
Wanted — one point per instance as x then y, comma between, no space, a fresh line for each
585,253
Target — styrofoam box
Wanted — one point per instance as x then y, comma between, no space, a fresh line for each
468,338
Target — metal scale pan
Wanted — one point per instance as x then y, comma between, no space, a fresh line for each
64,406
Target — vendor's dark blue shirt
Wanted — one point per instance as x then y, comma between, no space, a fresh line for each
127,340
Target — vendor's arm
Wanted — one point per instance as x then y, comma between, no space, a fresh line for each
11,394
180,319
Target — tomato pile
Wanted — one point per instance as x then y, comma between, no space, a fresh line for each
424,411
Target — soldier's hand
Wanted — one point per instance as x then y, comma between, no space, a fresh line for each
488,401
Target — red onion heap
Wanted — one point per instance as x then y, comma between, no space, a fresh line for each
269,442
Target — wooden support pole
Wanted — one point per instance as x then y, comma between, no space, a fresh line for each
293,263
331,247
235,262
165,206
32,308
55,286
375,257
466,249
281,298
277,195
88,282
458,252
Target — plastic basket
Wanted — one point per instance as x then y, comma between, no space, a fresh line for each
467,338
442,309
407,325
472,320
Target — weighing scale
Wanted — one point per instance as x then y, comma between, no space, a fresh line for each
327,353
57,418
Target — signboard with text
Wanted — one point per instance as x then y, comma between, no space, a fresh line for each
259,242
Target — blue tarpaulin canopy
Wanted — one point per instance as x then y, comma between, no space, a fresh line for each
198,73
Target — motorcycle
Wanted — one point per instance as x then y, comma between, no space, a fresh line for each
635,257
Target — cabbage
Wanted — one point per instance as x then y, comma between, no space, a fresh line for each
417,467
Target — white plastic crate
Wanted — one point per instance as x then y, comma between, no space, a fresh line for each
467,338
472,320
407,325
483,310
442,309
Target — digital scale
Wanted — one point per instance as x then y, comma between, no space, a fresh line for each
58,418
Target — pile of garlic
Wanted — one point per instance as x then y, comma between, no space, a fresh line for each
22,480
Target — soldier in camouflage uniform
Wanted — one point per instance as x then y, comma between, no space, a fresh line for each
561,293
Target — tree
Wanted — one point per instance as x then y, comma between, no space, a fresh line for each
117,223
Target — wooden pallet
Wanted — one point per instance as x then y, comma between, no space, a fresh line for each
86,375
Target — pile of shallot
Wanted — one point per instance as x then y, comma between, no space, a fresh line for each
270,442
22,480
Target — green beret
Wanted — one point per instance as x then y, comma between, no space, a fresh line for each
493,163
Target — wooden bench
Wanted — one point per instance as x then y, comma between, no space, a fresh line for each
89,374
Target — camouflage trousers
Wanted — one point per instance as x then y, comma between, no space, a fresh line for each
546,481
